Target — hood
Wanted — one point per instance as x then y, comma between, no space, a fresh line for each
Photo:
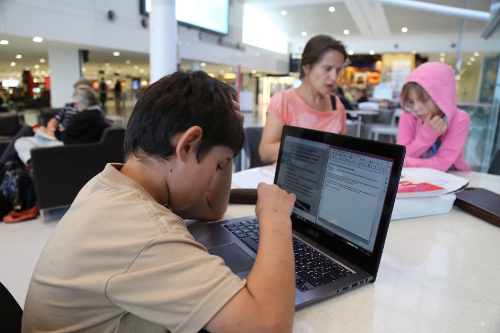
438,80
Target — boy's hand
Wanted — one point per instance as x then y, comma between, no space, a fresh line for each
437,123
273,201
240,116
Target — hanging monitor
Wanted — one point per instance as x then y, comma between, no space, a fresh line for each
210,15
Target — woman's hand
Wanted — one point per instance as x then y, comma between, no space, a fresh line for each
437,123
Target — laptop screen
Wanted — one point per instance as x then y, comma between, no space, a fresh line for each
332,184
341,184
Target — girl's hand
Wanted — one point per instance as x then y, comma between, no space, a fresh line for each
437,123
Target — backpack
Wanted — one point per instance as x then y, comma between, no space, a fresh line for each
17,188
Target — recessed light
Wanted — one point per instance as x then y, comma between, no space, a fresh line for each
83,69
106,72
372,52
141,70
107,64
19,56
12,64
441,59
476,54
254,71
283,12
221,71
441,54
413,52
346,32
127,62
42,60
37,39
404,29
136,67
36,66
472,58
351,52
116,54
304,33
469,63
203,64
331,9
4,42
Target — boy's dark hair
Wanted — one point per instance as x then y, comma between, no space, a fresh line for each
177,102
316,47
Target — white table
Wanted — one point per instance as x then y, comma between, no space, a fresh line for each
438,274
359,114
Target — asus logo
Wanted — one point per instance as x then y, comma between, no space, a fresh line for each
313,233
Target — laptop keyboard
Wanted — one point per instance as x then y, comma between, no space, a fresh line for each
312,268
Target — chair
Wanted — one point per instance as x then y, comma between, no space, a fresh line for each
10,124
383,129
11,314
60,172
250,157
495,164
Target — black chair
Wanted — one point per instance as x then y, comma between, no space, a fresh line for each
495,164
10,124
11,314
253,135
60,172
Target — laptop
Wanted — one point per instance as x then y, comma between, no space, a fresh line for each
345,189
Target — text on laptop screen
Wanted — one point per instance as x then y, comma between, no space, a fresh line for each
340,191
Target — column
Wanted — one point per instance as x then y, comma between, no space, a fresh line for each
65,70
162,39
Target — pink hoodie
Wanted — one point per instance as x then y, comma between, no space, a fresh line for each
438,80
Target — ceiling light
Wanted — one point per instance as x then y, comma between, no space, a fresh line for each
346,32
457,77
127,62
106,72
476,54
283,12
351,52
83,69
42,60
106,64
141,70
254,71
304,33
404,29
203,64
37,39
12,64
221,71
136,67
413,52
19,56
441,59
441,54
116,54
472,58
4,42
469,63
372,52
36,66
331,9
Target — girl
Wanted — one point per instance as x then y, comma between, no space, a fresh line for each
432,128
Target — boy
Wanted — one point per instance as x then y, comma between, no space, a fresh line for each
122,260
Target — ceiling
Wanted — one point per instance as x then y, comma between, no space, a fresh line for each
365,20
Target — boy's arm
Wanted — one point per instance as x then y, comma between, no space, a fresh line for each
266,304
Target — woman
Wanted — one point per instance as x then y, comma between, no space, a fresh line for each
311,105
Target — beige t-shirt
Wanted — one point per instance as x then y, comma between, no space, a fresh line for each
118,261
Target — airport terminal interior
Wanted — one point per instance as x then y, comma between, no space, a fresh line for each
256,47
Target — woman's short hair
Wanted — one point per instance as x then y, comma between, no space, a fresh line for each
316,47
177,102
85,96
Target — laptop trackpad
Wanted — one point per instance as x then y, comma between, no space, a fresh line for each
234,256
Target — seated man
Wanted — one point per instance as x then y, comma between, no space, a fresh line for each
122,259
85,126
61,120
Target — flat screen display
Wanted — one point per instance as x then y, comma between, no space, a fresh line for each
212,15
